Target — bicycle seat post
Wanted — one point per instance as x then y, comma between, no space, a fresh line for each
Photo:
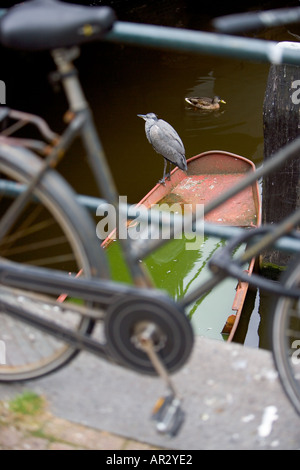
78,106
63,59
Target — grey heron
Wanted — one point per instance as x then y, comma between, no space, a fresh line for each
165,141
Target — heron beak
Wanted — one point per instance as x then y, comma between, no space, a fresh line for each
143,116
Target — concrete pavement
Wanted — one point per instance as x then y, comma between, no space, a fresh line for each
232,399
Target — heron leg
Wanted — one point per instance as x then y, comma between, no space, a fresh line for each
169,174
162,181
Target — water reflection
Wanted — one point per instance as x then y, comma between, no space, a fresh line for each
255,325
237,126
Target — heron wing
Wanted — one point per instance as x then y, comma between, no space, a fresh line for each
166,141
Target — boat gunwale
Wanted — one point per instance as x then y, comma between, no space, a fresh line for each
159,190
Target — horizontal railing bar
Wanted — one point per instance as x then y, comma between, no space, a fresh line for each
180,39
286,243
203,42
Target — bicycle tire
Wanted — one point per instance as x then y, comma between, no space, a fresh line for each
57,201
285,331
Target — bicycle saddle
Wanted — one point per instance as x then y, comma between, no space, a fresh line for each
51,24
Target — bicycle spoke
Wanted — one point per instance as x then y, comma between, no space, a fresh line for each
25,231
53,260
293,334
24,344
33,237
42,235
286,337
35,246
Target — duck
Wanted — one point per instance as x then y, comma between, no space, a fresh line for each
205,103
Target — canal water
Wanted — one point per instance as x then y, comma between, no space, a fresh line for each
123,81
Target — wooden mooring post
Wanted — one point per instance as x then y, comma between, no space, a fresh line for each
281,121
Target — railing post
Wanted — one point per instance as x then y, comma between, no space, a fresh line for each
281,121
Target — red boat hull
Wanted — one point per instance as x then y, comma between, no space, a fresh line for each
209,174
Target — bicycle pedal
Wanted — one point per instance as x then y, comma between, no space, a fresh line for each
168,415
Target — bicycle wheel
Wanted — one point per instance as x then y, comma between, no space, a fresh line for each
53,231
286,336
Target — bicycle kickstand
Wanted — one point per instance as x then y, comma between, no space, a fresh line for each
167,412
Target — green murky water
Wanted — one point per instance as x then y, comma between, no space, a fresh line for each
178,272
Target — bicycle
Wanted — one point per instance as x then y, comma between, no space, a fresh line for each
147,333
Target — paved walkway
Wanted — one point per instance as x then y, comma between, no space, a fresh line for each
44,431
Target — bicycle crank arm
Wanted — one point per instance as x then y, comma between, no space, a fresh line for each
167,411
